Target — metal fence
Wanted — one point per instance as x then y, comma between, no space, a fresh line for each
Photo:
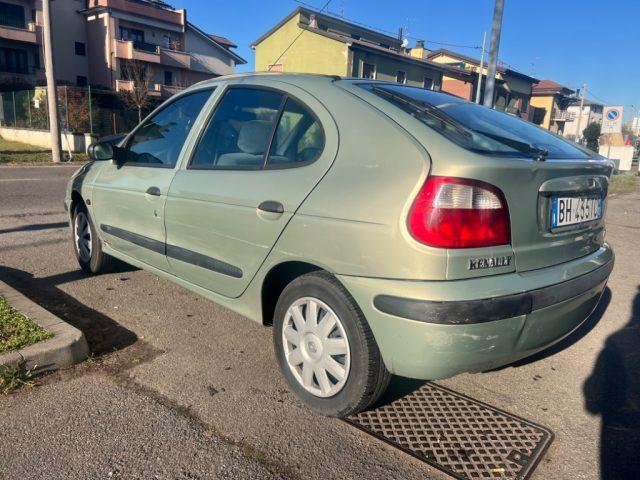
80,109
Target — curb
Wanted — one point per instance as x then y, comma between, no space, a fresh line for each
67,347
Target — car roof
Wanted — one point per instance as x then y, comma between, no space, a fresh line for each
296,78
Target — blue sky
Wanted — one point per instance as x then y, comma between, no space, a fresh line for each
569,41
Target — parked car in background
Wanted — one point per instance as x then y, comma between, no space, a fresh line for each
381,229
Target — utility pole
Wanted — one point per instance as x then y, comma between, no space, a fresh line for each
478,89
583,92
52,93
494,47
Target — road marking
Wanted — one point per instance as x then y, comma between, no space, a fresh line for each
22,179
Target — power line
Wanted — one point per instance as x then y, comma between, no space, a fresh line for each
295,39
388,32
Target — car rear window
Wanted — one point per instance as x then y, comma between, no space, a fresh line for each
475,127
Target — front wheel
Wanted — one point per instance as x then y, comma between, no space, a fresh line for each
86,244
325,348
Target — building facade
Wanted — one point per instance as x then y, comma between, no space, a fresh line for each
513,89
98,42
21,56
306,41
555,99
591,113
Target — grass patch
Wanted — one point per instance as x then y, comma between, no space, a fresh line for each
17,153
16,330
625,182
12,378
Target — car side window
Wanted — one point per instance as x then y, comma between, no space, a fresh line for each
299,137
239,132
158,142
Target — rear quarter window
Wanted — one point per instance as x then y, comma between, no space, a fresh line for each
476,127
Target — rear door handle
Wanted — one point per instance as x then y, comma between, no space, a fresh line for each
153,191
271,206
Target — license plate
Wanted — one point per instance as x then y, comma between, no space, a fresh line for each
574,210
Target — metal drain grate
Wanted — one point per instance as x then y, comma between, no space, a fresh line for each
463,437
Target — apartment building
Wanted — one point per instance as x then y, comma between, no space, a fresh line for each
98,41
21,58
333,46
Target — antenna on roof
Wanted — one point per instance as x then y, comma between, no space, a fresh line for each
342,3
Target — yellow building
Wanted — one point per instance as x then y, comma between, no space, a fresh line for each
554,99
306,41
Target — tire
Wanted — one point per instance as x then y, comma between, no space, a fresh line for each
89,253
365,376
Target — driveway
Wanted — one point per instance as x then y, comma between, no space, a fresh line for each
181,388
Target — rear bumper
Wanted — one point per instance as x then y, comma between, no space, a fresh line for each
432,330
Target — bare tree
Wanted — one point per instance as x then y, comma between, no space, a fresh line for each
138,97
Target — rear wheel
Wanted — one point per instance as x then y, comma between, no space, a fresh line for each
325,348
86,244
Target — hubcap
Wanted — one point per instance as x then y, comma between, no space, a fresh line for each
316,347
82,236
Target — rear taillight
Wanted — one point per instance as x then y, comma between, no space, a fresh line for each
459,213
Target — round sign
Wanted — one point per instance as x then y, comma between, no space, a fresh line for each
613,114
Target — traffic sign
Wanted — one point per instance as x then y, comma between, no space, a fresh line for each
612,120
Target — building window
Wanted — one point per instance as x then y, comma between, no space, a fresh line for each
401,77
132,34
81,81
81,49
13,61
12,15
427,83
168,77
368,70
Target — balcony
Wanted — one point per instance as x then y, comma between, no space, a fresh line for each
167,91
174,58
143,8
149,52
127,86
145,52
155,89
563,116
31,34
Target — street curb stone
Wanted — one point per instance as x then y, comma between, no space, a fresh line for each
67,347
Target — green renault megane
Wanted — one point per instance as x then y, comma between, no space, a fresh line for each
381,229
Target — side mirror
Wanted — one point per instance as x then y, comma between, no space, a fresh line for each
101,151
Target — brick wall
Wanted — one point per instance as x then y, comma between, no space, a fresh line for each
456,87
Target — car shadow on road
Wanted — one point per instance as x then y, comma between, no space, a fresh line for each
103,334
613,392
35,227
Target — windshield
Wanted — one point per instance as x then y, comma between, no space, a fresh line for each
476,127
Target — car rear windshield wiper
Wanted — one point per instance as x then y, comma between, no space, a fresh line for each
539,154
425,108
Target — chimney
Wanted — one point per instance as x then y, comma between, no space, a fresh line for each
419,51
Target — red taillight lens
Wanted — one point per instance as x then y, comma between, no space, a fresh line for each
459,213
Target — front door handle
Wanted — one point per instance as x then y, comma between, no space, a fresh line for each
155,191
271,206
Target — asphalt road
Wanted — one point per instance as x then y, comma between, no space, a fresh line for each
182,388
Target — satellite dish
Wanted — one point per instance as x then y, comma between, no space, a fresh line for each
405,43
